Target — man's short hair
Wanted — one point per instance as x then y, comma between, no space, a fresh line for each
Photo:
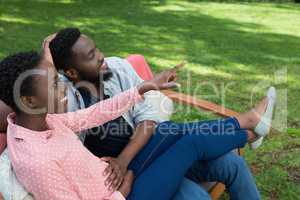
61,47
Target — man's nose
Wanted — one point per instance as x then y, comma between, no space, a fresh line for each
100,55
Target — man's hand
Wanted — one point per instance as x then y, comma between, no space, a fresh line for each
164,80
115,172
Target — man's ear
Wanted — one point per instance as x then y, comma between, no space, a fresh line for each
72,74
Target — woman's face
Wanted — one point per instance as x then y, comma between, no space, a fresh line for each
50,93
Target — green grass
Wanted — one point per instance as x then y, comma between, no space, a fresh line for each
240,46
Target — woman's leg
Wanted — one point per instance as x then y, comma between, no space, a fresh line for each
156,146
168,133
162,178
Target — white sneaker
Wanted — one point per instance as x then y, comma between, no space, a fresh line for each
254,145
264,125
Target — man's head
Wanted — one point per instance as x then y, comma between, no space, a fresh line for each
29,83
78,56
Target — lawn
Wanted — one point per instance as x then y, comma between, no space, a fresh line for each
234,52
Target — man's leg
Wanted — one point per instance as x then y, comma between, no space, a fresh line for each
230,169
189,190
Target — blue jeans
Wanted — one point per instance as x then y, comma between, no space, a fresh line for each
189,190
160,170
230,169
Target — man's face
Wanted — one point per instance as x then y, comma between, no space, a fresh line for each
89,61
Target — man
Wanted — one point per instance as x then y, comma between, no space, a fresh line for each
78,58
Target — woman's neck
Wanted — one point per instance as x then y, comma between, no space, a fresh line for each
32,122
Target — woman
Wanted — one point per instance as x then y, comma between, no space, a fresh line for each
52,164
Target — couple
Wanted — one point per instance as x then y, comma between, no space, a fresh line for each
52,164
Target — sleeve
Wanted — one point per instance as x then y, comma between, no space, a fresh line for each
148,109
116,196
100,112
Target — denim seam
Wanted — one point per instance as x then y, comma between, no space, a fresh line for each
152,152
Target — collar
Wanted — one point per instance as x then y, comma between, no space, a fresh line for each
19,132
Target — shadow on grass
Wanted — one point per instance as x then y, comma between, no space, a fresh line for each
141,28
124,27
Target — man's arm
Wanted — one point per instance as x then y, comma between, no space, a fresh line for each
119,165
144,116
142,134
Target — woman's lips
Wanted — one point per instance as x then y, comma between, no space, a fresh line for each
64,100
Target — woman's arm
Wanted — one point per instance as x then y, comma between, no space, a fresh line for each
110,109
2,143
100,112
4,111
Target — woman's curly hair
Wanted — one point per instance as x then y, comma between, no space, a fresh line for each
11,68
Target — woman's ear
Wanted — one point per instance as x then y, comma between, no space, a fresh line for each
32,105
29,102
71,74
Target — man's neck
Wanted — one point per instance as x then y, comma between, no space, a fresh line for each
32,122
100,90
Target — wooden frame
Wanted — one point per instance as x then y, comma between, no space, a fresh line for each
218,189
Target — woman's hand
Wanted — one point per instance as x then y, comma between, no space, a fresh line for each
126,186
115,172
45,47
162,81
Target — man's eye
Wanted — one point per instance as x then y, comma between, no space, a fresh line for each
92,56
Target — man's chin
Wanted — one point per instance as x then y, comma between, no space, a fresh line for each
106,75
103,75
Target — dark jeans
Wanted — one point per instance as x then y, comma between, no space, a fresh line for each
168,133
160,172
